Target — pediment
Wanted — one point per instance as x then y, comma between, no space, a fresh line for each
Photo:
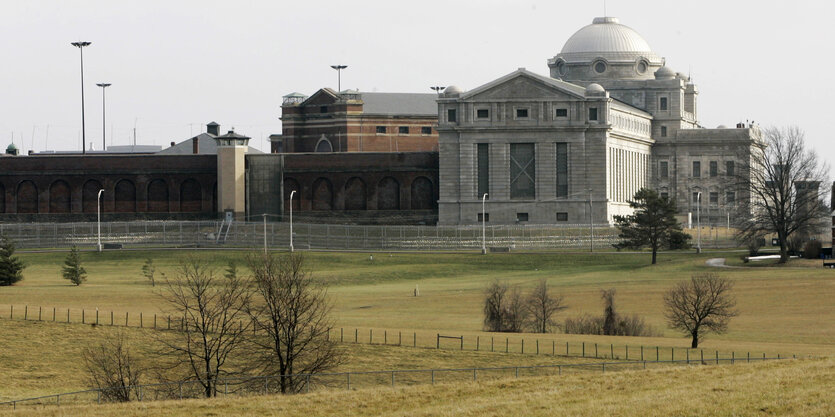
320,97
522,85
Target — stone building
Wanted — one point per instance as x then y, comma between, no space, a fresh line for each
352,121
577,145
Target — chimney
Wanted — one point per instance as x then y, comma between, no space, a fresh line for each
172,144
213,129
195,145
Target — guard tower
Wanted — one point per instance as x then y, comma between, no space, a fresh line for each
231,149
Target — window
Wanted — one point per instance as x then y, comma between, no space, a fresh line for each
450,115
714,168
562,112
403,130
695,197
663,169
714,197
562,216
593,113
522,171
665,196
483,165
600,67
729,168
381,129
482,114
521,113
662,105
730,197
663,131
562,170
521,217
323,109
485,218
697,169
425,130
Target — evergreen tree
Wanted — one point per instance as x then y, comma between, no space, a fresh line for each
653,224
11,267
72,269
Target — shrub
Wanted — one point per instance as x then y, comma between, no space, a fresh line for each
11,267
812,249
754,245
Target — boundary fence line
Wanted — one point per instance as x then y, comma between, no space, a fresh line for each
526,344
343,379
314,236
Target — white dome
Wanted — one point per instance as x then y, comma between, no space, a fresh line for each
595,88
453,89
665,73
606,34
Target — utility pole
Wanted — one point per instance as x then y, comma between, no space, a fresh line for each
80,46
339,69
103,114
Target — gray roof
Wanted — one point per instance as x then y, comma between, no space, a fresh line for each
400,103
206,143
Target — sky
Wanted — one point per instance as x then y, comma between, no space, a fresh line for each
177,65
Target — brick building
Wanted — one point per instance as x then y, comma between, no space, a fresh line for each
352,121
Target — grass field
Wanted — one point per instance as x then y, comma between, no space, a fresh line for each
786,388
784,309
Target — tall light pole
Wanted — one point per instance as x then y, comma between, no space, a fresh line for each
437,89
265,233
98,217
699,221
291,219
483,226
80,46
103,130
339,69
591,221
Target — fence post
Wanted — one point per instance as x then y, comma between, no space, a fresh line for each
595,350
559,369
82,316
474,376
584,349
462,342
749,356
307,384
399,338
155,321
688,356
702,355
491,343
11,312
627,351
392,379
126,323
672,354
553,348
356,335
477,342
370,336
523,346
341,335
566,348
169,322
140,320
537,346
438,341
506,345
53,313
657,355
612,350
732,357
433,377
414,339
642,353
717,357
604,367
111,317
348,374
68,315
385,337
40,309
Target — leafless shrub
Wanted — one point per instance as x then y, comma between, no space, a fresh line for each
504,309
610,323
542,307
113,369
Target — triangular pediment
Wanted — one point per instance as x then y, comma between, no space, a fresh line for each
525,85
323,96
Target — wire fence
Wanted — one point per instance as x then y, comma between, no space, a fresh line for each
306,383
324,236
525,344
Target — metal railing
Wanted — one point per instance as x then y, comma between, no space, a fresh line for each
266,384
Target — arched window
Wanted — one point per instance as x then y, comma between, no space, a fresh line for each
355,194
59,197
322,194
422,194
388,194
324,145
89,196
27,197
158,196
124,197
191,196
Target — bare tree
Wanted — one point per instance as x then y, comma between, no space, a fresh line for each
504,309
787,189
113,369
542,307
292,317
610,316
701,305
212,309
149,271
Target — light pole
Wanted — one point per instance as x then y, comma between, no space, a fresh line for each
103,86
483,226
339,69
98,217
80,46
265,233
591,221
437,89
699,221
291,219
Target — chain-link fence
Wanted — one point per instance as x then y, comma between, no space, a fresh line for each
322,236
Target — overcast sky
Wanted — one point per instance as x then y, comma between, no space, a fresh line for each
177,65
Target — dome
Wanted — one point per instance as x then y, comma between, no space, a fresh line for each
453,89
665,73
606,34
595,88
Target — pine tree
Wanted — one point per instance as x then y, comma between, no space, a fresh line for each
653,224
11,267
72,269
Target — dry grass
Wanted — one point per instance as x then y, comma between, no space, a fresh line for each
788,388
